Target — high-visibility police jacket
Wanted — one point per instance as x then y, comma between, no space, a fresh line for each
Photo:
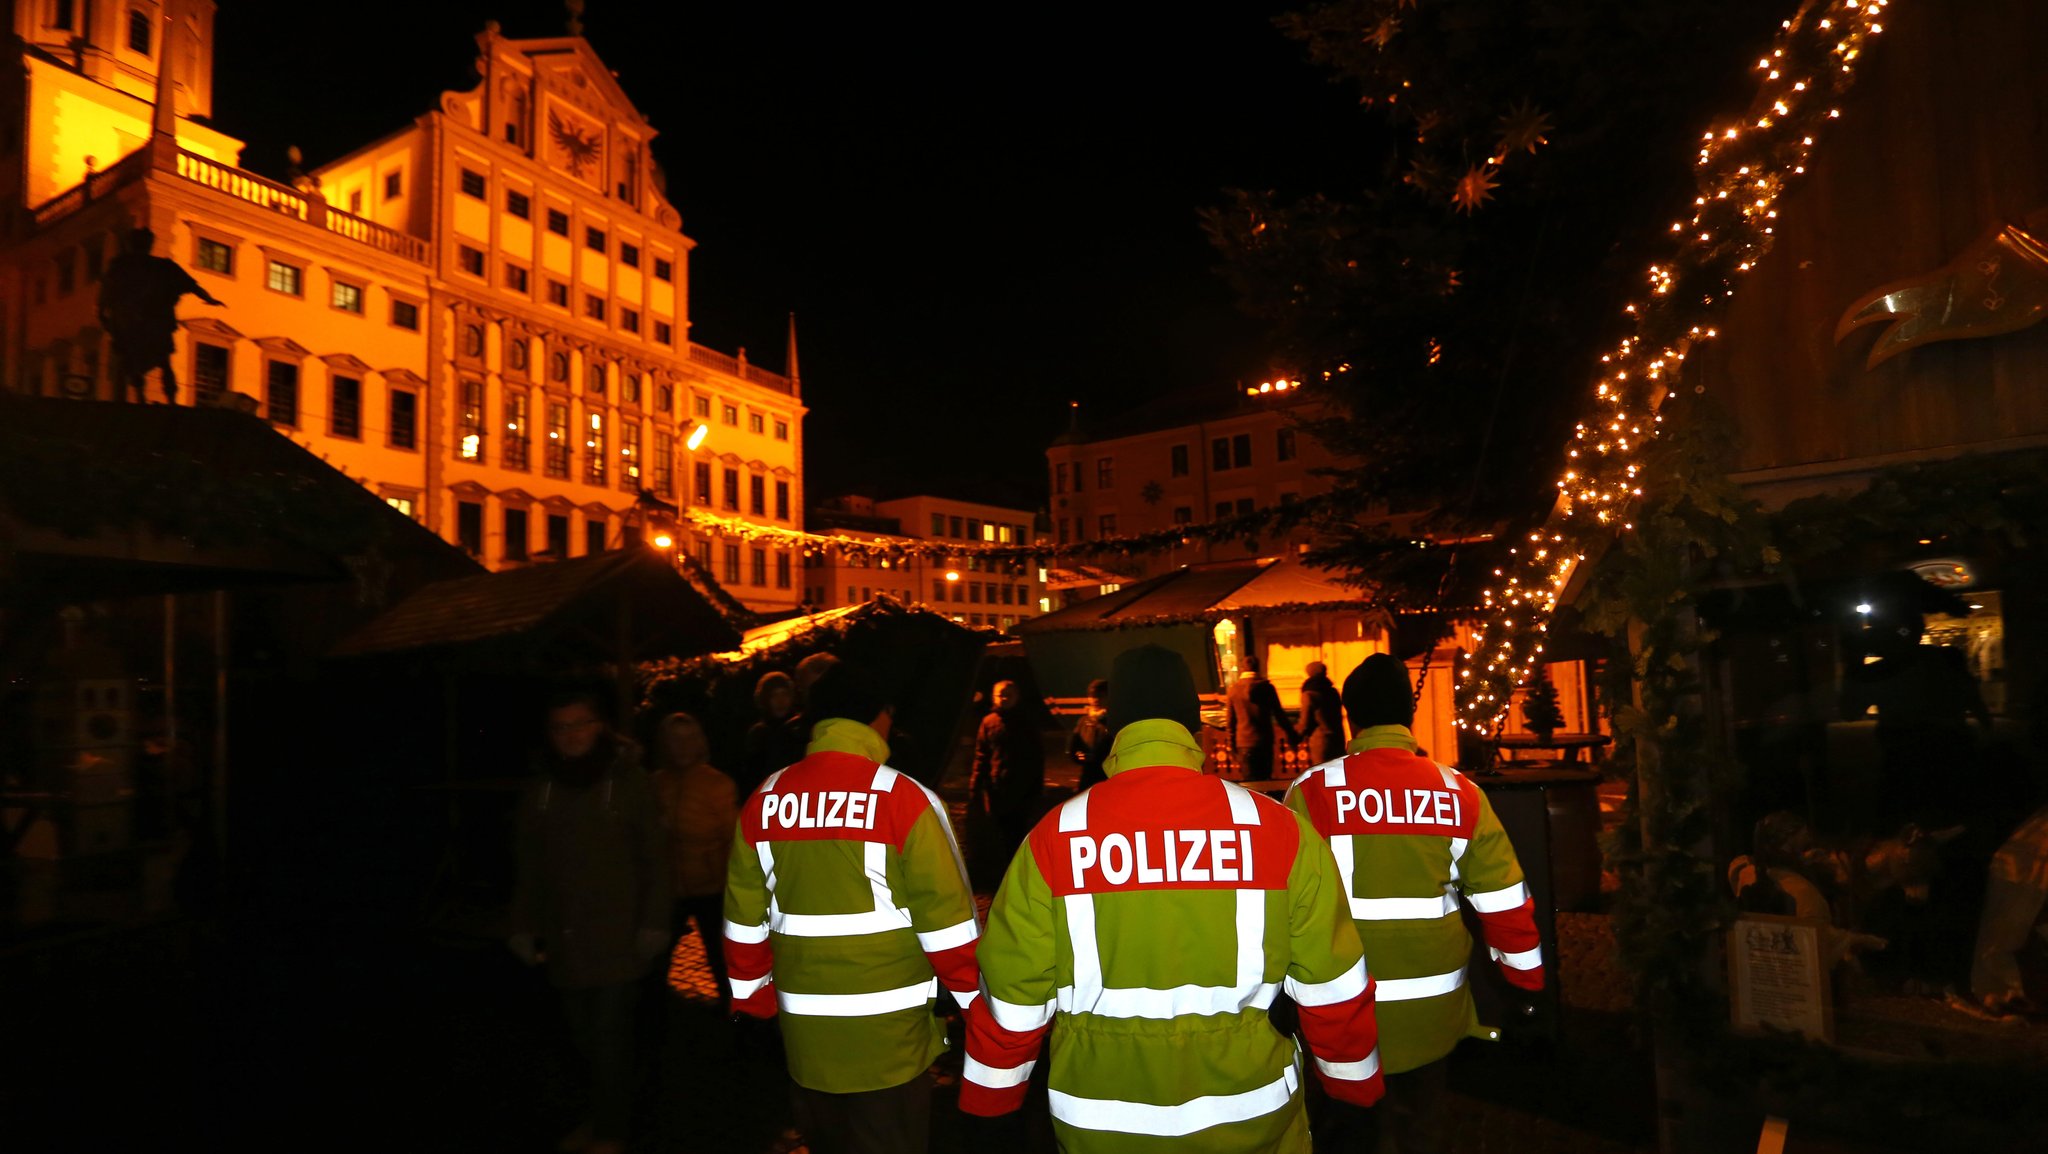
1409,836
846,907
1155,916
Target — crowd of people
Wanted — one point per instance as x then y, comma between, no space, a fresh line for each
1194,948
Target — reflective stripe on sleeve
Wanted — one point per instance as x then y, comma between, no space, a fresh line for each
1357,1071
997,1078
1522,960
1177,1120
1016,1017
1499,901
938,941
1402,909
858,1005
744,988
746,935
1343,988
1409,989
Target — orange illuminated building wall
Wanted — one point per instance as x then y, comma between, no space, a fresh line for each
483,316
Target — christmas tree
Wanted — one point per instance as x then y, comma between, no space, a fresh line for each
1540,711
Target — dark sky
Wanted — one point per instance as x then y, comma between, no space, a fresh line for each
978,214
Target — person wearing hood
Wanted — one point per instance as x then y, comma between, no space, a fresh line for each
1089,744
592,899
846,909
1411,838
1009,767
1149,923
699,808
776,739
1322,715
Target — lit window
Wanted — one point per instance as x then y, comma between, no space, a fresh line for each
348,297
402,504
514,453
471,260
213,256
473,184
730,414
470,422
755,423
284,278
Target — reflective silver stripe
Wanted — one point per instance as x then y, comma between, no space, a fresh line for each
1344,849
1244,807
1074,813
1088,996
1251,938
1499,901
1180,1119
746,935
885,779
743,988
1522,960
1409,989
937,941
1357,1071
768,786
997,1078
1403,909
839,925
1342,988
1016,1017
1087,987
858,1005
765,850
1333,773
875,859
1458,845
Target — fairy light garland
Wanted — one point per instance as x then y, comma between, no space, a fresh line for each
1743,169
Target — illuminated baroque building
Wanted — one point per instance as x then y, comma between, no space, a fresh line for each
971,589
483,316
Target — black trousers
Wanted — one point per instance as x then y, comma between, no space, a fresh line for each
896,1120
1414,1117
601,1018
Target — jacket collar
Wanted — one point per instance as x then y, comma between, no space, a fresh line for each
1383,737
1153,741
845,735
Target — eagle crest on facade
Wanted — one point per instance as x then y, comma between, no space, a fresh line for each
580,149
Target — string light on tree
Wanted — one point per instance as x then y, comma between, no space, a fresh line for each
1743,168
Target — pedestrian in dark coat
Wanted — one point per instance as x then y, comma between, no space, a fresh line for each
774,741
1255,714
1322,715
1090,742
592,900
1009,767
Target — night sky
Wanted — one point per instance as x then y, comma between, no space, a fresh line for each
977,215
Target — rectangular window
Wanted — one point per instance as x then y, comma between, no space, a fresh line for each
1180,460
1106,525
519,205
781,430
345,407
1183,515
67,275
782,571
209,372
629,320
1244,506
954,522
213,256
663,333
1063,530
558,535
593,239
515,278
974,592
355,201
759,557
1241,451
701,406
938,588
594,536
730,414
1283,445
558,294
558,222
702,477
281,393
1059,477
663,270
514,454
732,489
664,464
473,184
594,461
63,13
1222,510
629,254
732,564
757,495
141,30
470,259
593,307
283,278
1105,472
755,424
557,462
469,424
402,504
782,500
405,315
938,524
347,297
405,419
469,527
629,455
515,535
1219,454
394,185
973,529
959,594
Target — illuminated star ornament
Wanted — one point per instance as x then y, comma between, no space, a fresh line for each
1474,189
1524,129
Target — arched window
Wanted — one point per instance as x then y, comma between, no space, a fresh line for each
473,340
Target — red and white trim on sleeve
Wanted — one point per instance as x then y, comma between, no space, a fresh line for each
1003,1040
1337,1022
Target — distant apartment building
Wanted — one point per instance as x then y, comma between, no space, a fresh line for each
483,316
974,590
1179,462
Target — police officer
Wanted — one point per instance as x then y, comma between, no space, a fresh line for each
1410,837
1155,917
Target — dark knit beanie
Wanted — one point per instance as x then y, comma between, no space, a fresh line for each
1378,693
845,690
1152,681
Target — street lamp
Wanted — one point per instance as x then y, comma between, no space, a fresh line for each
663,541
697,436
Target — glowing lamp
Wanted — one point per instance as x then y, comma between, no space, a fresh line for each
697,436
1864,609
952,575
663,541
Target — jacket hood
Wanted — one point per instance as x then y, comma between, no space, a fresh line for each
1383,737
1153,741
844,735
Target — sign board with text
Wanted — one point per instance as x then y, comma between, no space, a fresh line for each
1778,975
